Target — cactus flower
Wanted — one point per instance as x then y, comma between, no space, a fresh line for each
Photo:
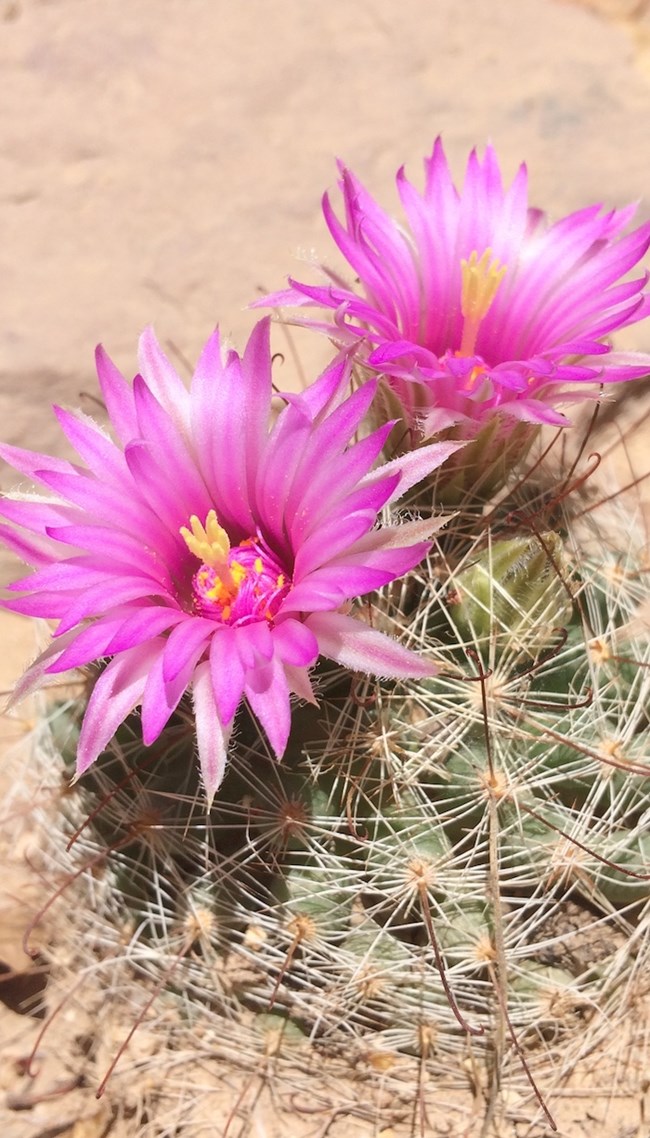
212,545
481,307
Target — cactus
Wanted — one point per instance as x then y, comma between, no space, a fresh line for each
461,855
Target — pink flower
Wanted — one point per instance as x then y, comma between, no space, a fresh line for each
481,306
213,546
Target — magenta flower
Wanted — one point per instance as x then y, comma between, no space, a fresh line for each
482,306
213,546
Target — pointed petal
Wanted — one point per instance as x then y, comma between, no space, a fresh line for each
295,643
37,551
212,739
98,599
30,462
118,397
267,692
101,456
36,673
185,644
116,693
300,684
415,465
163,380
356,646
230,409
143,622
90,644
160,699
228,674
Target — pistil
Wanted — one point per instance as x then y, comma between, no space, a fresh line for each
481,277
211,544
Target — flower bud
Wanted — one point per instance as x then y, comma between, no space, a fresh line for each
514,591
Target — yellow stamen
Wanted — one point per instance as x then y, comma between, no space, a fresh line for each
481,279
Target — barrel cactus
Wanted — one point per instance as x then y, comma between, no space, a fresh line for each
460,857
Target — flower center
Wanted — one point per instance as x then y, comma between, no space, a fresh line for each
481,277
236,585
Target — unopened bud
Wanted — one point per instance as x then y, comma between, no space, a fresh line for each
515,590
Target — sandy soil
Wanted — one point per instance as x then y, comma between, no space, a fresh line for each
162,161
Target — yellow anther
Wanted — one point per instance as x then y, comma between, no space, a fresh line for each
481,279
238,573
210,543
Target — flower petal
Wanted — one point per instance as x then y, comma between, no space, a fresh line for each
118,397
116,692
295,644
267,692
212,739
227,672
356,646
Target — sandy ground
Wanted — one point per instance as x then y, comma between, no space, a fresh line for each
163,160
